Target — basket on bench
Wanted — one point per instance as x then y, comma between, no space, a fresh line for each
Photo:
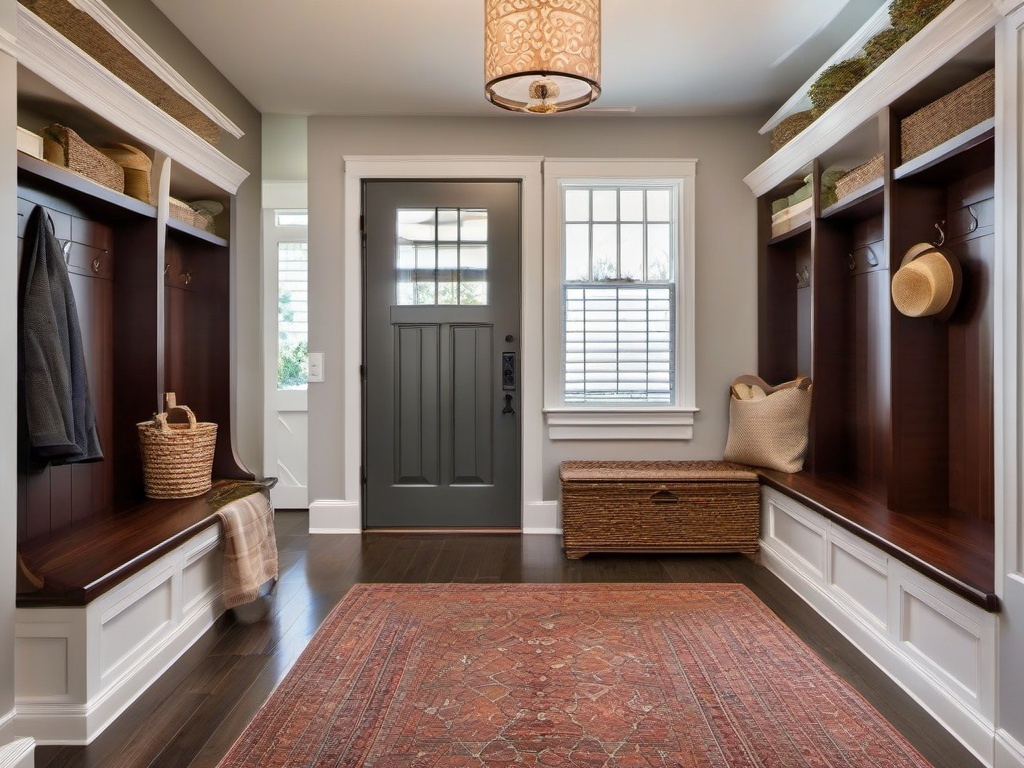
177,458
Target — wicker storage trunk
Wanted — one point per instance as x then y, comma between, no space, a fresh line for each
658,506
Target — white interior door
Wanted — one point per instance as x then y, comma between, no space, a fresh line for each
286,350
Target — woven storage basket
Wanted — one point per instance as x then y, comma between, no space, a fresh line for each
949,116
859,176
137,168
197,218
88,34
658,506
177,459
62,146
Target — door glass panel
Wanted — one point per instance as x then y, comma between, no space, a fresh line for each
441,256
292,315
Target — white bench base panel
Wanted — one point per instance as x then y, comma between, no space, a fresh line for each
78,668
937,646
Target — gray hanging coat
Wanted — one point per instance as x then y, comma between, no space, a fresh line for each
58,414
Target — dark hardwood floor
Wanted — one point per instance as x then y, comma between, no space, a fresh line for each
194,712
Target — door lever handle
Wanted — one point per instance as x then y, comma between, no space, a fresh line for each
508,404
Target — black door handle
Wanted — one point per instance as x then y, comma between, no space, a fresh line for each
508,404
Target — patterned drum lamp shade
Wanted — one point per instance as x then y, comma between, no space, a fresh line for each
542,56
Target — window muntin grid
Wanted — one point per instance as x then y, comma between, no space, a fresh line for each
619,294
441,256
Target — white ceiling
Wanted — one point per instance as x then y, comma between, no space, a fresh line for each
425,57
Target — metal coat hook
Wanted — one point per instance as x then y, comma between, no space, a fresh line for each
942,234
186,277
167,268
65,248
974,218
872,259
853,261
96,264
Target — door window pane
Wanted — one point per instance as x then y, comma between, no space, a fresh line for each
292,315
441,256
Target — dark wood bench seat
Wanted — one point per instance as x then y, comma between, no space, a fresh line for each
78,563
958,554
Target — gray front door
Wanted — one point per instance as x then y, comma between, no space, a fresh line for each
441,353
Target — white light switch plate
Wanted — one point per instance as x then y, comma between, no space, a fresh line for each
315,367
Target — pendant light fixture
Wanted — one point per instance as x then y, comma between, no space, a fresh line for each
542,56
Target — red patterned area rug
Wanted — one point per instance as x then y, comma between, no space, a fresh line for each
620,675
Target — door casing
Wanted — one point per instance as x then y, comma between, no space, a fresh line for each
538,515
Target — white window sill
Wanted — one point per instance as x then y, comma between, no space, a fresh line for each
620,424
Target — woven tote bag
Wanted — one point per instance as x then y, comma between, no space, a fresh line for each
768,425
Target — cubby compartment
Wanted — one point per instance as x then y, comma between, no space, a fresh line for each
107,236
942,369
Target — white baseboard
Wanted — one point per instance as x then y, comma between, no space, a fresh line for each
1009,751
541,517
335,516
18,754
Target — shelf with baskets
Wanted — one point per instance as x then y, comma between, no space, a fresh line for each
152,290
903,413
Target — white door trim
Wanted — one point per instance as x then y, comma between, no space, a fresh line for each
527,170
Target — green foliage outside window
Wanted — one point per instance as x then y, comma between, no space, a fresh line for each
292,350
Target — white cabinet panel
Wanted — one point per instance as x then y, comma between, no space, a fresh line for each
803,539
946,641
860,578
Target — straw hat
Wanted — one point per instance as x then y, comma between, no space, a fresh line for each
927,282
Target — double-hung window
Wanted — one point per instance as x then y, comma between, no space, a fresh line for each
619,243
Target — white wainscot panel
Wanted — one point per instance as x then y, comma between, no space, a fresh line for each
859,578
201,578
42,666
802,539
130,624
941,638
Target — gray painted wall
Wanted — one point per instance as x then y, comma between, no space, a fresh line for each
726,149
247,352
284,148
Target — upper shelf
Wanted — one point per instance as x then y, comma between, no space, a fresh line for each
82,189
66,68
953,31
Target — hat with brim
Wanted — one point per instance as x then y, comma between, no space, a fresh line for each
927,283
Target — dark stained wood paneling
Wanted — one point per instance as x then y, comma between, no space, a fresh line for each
970,212
920,443
58,496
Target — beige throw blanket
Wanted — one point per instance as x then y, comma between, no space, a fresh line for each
250,548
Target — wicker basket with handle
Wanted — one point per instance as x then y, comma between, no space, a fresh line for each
177,458
62,146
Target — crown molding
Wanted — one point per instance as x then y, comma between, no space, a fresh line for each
65,66
801,100
141,50
939,42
